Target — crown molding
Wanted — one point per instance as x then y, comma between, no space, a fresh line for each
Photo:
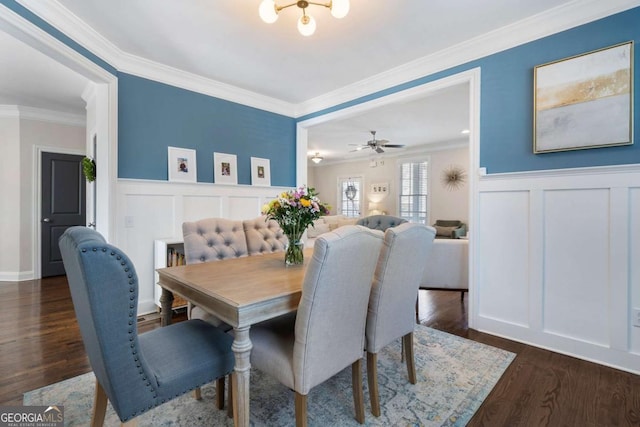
566,16
64,20
142,67
42,115
9,112
552,21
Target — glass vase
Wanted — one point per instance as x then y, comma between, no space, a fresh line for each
294,254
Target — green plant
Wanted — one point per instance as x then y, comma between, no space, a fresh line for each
89,169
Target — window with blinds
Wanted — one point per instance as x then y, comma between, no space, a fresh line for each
413,191
350,208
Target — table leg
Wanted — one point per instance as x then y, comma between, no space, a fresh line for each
166,303
242,349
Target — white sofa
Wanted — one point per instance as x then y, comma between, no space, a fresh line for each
447,267
323,225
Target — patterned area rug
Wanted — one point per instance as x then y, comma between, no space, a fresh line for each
454,376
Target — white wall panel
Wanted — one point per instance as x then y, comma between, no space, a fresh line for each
634,243
150,217
580,259
576,264
503,286
198,207
150,210
247,207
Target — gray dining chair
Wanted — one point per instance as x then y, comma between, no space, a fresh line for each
134,372
212,239
327,334
391,311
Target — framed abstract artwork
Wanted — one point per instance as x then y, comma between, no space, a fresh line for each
182,164
225,168
260,171
584,101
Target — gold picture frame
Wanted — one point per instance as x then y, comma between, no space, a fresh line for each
585,101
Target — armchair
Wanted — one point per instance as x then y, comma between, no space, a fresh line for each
380,222
134,373
452,229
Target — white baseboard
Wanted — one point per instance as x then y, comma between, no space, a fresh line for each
12,276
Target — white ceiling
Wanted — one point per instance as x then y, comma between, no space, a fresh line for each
30,78
225,41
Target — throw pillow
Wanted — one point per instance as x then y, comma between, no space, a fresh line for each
444,231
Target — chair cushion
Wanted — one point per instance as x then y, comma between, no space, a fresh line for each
186,355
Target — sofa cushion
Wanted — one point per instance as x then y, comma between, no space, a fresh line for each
347,221
319,227
444,231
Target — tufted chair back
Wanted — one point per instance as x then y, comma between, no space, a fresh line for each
380,222
213,239
264,236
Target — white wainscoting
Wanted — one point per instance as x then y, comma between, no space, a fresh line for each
150,210
558,261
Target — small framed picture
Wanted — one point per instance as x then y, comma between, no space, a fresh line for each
225,168
260,171
182,164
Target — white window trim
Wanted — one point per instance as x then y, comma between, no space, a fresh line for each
413,159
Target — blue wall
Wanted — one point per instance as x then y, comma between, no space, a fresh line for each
506,122
153,116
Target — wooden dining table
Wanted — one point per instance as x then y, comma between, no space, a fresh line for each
241,292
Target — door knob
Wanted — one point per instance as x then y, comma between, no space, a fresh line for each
46,220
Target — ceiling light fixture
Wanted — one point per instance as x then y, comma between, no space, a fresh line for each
317,158
306,24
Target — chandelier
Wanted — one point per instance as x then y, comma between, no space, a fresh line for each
306,24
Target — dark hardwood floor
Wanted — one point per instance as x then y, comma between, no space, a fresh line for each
40,344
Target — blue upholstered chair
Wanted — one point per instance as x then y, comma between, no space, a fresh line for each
393,295
327,334
380,222
135,373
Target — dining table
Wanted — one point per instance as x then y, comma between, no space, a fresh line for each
241,292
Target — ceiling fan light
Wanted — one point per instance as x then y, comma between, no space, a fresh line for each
306,25
339,8
268,12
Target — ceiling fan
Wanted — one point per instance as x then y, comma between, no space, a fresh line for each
376,144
